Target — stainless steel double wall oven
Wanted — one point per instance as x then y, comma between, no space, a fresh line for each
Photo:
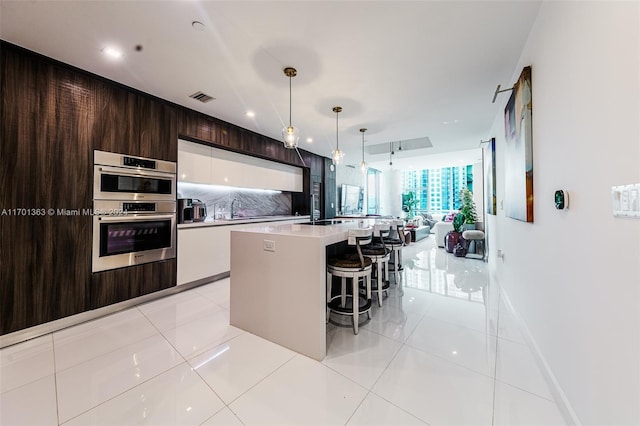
134,210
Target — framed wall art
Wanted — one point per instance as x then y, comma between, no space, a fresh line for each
518,197
489,168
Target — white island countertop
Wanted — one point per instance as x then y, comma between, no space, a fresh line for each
325,234
278,282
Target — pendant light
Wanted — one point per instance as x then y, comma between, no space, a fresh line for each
363,165
290,134
390,154
400,146
337,154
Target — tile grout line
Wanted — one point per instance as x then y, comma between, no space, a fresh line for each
256,384
55,378
185,361
122,393
110,350
139,384
495,366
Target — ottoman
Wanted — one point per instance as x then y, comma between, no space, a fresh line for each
475,240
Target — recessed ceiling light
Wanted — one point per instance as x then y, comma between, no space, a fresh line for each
309,140
250,114
198,26
112,52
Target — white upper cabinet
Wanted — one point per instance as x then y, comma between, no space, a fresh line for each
194,162
202,164
226,172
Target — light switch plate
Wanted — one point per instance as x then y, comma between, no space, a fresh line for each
268,245
625,200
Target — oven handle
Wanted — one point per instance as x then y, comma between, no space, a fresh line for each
137,217
127,172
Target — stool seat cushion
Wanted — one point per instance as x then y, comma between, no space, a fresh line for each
372,250
349,262
473,234
392,241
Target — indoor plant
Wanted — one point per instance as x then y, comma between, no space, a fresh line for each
409,203
468,209
453,237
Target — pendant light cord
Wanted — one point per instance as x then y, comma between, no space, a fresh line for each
337,142
289,101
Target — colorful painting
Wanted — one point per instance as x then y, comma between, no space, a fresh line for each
489,167
518,198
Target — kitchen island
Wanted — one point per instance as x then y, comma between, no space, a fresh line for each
278,283
204,247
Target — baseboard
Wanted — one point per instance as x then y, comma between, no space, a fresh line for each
558,394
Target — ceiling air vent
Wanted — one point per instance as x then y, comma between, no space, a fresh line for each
199,96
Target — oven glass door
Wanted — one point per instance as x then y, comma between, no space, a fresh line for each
129,237
132,240
139,184
120,184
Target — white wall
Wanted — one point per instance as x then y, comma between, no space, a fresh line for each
391,193
573,276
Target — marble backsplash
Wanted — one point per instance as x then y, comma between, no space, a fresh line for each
250,202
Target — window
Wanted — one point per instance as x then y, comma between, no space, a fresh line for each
373,191
438,190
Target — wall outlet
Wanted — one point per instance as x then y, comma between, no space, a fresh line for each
268,245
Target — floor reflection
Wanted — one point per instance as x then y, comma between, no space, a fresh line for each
431,268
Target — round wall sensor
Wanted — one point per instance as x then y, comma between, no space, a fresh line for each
561,199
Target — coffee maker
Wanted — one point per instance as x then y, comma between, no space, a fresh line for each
185,210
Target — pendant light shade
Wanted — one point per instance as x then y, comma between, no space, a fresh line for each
363,165
337,154
290,134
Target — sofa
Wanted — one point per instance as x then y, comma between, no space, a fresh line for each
440,229
420,232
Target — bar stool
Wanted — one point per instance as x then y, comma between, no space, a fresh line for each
379,254
396,244
353,266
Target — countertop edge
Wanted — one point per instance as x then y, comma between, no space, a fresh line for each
240,221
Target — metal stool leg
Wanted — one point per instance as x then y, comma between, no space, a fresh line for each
329,284
355,304
380,281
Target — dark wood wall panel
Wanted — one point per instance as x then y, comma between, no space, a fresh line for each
130,123
47,130
123,284
203,128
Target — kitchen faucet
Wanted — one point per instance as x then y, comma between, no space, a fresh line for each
232,204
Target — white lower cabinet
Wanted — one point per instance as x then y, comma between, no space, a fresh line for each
205,251
202,252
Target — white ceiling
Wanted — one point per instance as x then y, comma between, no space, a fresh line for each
402,69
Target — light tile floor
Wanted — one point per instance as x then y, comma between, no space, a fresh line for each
442,350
